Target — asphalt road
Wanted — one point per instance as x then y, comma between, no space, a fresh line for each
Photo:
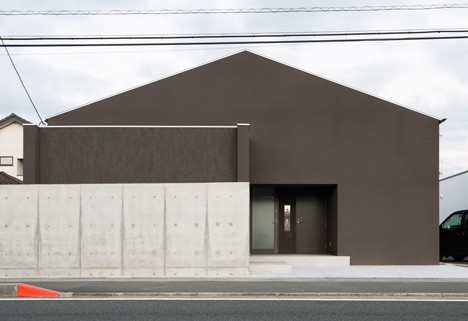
356,286
258,310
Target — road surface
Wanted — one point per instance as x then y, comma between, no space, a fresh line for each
258,310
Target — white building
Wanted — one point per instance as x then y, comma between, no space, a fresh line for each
11,145
453,194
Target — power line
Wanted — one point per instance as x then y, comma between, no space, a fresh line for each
443,170
228,11
460,168
254,42
239,35
22,83
137,51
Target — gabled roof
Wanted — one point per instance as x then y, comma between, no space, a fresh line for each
13,118
8,179
245,77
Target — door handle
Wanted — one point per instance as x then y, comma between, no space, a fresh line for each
287,218
298,221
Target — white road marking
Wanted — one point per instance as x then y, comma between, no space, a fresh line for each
231,299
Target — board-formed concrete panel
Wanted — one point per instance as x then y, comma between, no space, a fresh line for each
228,229
101,272
136,230
56,273
185,225
101,226
143,240
59,212
227,272
18,227
185,272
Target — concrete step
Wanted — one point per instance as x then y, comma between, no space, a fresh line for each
270,267
303,260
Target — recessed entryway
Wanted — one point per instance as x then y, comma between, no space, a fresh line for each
293,219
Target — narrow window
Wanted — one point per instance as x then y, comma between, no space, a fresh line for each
20,167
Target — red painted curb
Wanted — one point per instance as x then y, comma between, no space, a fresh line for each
29,290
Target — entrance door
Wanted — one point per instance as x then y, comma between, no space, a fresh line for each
311,223
302,221
288,220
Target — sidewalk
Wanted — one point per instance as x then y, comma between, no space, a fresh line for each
442,271
444,281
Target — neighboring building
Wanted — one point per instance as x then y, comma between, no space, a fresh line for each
11,145
331,169
6,179
453,194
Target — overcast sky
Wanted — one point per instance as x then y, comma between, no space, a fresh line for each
428,76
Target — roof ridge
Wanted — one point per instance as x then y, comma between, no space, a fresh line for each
13,117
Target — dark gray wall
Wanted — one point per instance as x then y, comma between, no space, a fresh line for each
137,155
307,130
31,154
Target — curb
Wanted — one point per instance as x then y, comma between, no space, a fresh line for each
25,290
298,295
12,290
7,289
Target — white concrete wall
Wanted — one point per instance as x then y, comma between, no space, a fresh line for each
111,230
11,144
453,195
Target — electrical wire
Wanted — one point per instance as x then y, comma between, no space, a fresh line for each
239,35
22,83
229,11
255,42
457,167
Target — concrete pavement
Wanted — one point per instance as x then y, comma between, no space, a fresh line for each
441,281
442,271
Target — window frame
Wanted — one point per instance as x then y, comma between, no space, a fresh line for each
6,157
462,221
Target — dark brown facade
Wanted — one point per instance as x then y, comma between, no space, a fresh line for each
81,155
378,160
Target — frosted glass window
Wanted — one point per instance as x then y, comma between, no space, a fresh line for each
263,216
6,160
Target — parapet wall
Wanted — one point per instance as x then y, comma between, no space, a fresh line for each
130,230
129,155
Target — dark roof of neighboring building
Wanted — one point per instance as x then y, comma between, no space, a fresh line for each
8,179
451,176
12,119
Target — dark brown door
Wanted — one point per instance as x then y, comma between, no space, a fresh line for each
311,223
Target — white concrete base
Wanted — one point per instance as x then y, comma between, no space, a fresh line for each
227,272
303,260
270,267
124,230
